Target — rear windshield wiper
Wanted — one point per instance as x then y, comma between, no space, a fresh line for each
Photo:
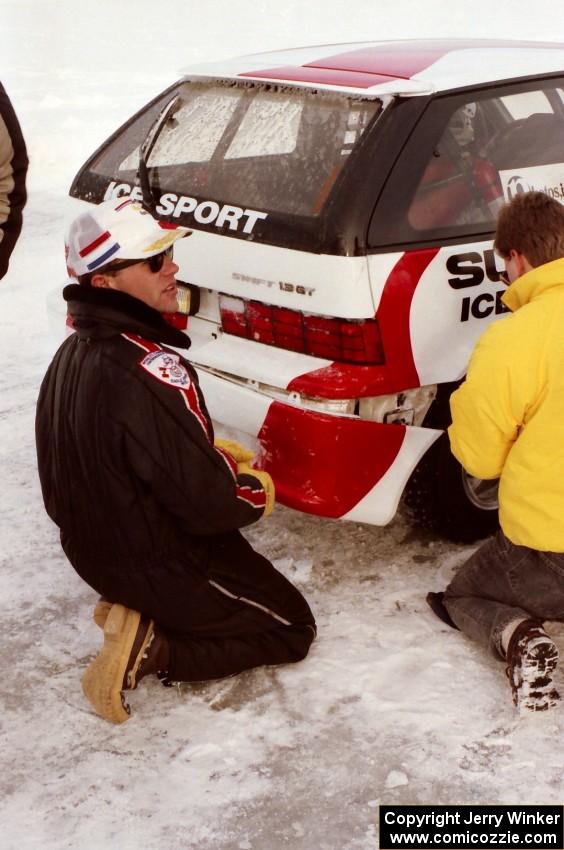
146,148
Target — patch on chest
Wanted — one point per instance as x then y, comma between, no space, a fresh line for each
167,368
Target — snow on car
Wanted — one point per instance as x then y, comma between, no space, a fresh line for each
343,200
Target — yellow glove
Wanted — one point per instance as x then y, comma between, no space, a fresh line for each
265,480
238,452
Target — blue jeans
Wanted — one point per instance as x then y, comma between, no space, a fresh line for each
503,582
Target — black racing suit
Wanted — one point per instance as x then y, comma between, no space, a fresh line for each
148,509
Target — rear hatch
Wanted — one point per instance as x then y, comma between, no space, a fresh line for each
247,160
262,173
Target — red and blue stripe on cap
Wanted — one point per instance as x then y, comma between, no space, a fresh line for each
100,239
111,248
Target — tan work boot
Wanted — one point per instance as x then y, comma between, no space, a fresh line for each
101,611
128,638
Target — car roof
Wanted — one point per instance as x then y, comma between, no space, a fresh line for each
407,67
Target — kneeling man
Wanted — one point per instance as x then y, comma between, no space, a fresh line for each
148,507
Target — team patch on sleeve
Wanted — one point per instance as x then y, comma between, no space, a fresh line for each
167,368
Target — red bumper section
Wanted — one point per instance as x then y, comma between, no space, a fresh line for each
323,464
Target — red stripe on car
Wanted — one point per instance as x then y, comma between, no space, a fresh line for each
403,60
394,315
344,380
376,63
326,76
350,458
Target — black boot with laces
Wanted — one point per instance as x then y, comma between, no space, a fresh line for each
532,657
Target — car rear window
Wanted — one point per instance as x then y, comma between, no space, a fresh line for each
268,147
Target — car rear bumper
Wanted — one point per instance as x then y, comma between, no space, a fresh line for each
324,464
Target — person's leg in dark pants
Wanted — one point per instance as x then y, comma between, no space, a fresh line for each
502,583
500,598
248,614
193,621
480,599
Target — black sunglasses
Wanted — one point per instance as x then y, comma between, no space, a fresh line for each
155,262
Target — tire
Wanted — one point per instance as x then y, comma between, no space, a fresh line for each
442,497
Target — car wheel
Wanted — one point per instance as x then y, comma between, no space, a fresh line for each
481,492
443,497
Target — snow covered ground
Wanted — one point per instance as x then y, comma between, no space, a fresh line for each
390,706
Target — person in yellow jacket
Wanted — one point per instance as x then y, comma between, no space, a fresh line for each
508,423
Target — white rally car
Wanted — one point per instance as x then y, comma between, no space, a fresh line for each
343,200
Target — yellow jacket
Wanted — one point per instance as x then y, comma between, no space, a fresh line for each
508,415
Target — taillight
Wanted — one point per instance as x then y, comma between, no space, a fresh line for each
177,320
188,298
343,340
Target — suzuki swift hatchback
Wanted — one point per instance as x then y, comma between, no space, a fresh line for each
343,201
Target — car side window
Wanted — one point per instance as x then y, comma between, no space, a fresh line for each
466,158
458,186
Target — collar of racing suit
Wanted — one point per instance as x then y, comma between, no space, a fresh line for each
100,313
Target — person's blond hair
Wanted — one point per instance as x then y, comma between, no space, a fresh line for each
532,224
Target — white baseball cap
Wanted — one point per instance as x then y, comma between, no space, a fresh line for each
116,229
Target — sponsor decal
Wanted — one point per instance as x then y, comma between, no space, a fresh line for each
162,243
483,305
472,268
538,178
203,212
167,368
